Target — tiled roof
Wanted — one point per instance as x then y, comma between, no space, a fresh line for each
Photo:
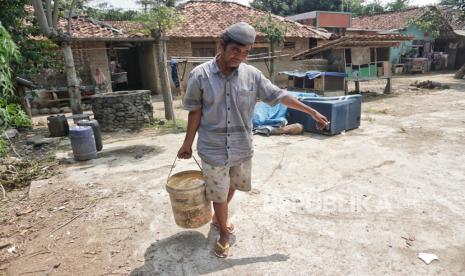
84,28
354,41
130,27
210,18
387,21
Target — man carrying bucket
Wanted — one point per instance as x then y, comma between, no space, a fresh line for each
220,98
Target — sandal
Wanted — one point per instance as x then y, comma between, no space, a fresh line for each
220,250
230,227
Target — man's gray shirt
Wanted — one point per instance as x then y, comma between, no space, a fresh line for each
227,104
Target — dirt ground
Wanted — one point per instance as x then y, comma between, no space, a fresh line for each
361,203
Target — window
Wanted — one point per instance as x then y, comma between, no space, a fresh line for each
289,45
203,49
312,42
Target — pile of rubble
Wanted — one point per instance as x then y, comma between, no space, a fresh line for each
430,85
19,172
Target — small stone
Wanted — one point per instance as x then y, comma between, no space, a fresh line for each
54,110
39,140
66,109
44,110
10,133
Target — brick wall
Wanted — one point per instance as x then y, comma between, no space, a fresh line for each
182,47
178,47
96,57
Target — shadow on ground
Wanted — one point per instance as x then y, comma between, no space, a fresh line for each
136,151
190,253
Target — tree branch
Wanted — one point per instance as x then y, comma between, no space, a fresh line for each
49,12
41,18
70,16
55,15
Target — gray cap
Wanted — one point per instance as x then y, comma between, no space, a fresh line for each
242,33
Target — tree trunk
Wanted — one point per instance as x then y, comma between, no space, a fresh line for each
164,78
158,89
272,54
73,84
460,73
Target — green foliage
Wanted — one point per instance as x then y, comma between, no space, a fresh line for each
458,4
290,7
12,14
274,31
104,11
38,55
3,147
397,5
151,4
285,7
11,115
431,21
373,8
8,54
451,2
356,7
161,18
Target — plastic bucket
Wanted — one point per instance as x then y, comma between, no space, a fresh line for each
191,209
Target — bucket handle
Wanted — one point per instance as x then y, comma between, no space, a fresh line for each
174,162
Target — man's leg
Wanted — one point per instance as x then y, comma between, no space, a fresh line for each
230,196
221,214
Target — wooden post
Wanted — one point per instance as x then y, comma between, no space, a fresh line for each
346,86
155,49
388,88
24,100
357,86
160,43
71,77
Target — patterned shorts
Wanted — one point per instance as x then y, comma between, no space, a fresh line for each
220,179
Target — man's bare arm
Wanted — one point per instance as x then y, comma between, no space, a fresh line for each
193,123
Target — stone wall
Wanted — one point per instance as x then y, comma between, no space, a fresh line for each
123,110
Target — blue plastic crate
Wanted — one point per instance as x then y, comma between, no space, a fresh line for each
343,113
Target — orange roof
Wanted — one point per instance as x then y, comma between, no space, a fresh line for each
211,18
84,28
388,20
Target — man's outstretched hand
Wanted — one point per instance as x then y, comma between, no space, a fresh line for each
321,121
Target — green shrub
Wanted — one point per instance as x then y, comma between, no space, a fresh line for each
11,115
3,147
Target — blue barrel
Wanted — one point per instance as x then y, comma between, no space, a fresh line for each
83,143
96,129
58,125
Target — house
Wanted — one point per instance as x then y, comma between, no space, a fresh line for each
433,51
335,22
96,45
197,35
455,48
361,57
195,38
